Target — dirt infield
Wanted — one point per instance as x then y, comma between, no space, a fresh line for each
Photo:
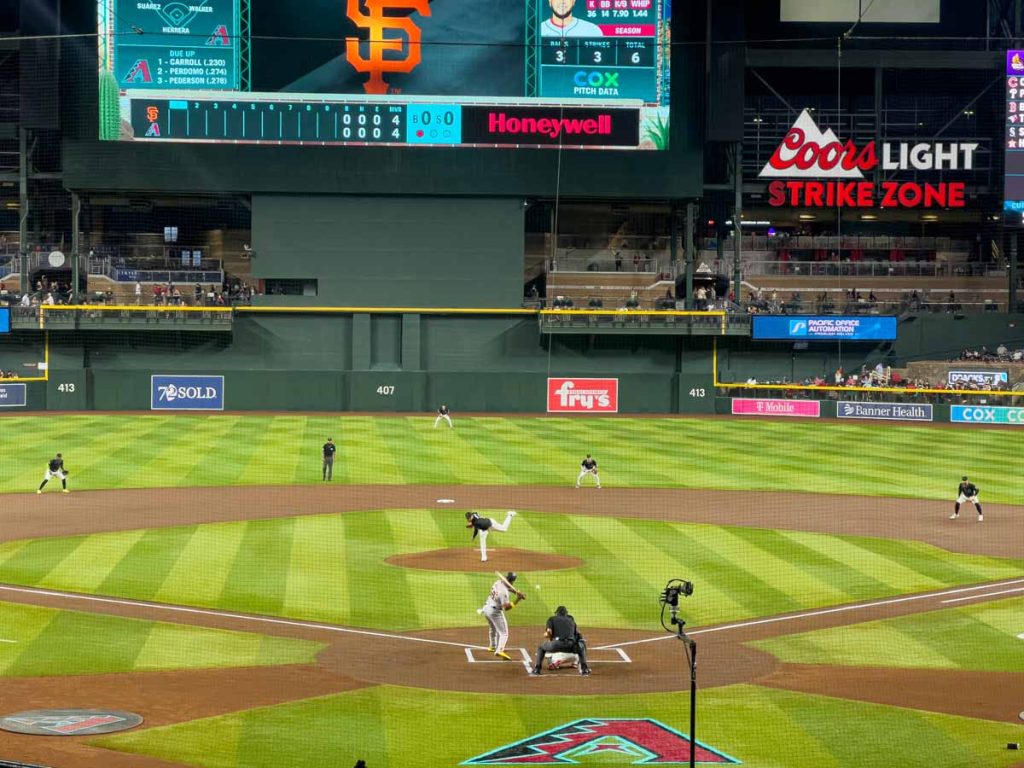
450,659
465,559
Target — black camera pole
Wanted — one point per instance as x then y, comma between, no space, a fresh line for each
670,599
691,658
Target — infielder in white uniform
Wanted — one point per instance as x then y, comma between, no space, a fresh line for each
498,603
442,413
588,467
481,525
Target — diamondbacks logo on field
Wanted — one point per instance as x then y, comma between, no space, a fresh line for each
69,722
624,741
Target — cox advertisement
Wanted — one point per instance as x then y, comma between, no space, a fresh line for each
986,414
13,395
756,406
823,328
889,411
583,395
187,393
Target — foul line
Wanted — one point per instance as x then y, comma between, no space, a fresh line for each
229,615
825,611
987,594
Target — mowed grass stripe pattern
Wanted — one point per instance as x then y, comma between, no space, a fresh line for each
118,451
981,637
333,568
415,728
49,642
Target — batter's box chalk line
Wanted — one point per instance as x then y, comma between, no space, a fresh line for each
471,658
623,657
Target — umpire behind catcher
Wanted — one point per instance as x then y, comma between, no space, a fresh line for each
562,637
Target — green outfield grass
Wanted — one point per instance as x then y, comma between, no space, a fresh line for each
978,638
143,450
332,568
415,728
41,642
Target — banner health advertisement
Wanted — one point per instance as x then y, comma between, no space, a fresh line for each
12,395
986,414
987,379
742,406
5,320
812,327
892,411
187,393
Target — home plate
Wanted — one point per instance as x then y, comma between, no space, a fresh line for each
446,501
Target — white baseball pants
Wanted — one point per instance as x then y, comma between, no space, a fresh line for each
497,628
444,416
495,526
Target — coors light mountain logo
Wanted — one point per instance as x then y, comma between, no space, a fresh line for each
811,168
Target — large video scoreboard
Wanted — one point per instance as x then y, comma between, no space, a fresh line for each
549,73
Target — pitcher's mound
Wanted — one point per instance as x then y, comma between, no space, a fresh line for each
466,559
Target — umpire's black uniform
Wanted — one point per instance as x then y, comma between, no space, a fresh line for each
564,637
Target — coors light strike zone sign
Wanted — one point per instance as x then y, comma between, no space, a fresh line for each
814,169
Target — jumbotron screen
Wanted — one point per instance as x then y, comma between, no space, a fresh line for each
586,74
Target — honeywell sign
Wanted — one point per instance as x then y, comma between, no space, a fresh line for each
814,169
583,395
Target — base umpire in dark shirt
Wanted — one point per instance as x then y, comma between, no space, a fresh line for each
563,637
329,449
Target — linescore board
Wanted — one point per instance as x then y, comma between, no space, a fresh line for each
559,73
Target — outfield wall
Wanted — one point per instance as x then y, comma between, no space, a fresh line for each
412,362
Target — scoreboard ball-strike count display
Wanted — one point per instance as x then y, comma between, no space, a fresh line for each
556,73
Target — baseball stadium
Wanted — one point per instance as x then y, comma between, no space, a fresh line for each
395,384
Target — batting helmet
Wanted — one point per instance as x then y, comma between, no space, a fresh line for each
511,577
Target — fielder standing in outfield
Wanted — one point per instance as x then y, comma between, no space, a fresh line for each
329,450
967,491
481,526
588,467
442,413
498,602
55,468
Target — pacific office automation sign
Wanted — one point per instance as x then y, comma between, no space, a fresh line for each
583,395
814,169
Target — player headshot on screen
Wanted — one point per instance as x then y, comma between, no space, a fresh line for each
563,24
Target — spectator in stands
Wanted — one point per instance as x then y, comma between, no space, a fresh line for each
138,292
25,300
668,294
618,261
1002,351
48,301
701,299
840,376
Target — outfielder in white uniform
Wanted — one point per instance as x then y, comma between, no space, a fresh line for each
497,604
442,413
588,467
481,525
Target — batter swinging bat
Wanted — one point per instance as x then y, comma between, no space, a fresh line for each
508,584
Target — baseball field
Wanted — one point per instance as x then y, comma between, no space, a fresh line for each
201,574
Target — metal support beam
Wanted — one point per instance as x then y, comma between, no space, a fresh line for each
76,251
690,255
824,58
23,208
1014,247
737,215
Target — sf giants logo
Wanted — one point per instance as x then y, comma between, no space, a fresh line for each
404,37
583,395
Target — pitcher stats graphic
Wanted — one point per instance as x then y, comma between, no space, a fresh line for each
569,74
